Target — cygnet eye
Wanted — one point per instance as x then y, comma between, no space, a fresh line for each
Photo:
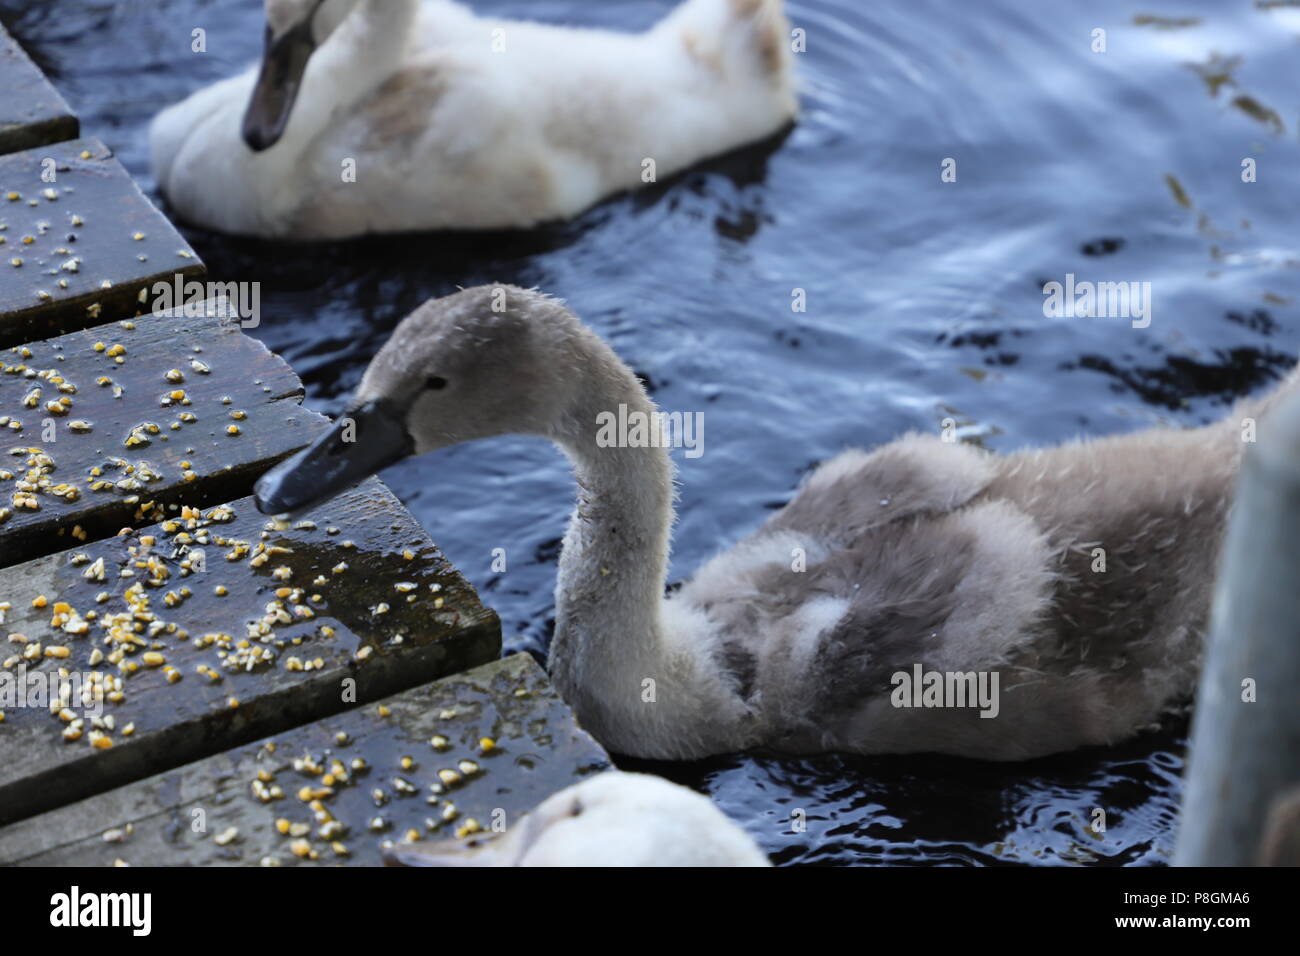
435,382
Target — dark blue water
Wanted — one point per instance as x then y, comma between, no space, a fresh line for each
924,301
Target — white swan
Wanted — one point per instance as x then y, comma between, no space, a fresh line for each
392,115
920,553
611,819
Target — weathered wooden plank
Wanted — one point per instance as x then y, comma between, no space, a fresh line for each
193,457
86,244
32,113
177,817
275,625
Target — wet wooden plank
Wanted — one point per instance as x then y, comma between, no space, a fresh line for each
177,817
32,113
135,482
273,626
80,262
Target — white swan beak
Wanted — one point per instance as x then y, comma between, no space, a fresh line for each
284,60
362,442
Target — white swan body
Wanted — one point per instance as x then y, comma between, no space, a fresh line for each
611,819
921,552
416,115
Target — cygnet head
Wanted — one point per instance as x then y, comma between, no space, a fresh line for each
294,29
487,361
611,819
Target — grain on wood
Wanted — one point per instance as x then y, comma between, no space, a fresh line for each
216,812
212,629
78,250
124,445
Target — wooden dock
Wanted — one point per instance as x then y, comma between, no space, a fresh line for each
469,753
167,653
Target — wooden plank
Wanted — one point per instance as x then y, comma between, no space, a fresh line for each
313,597
32,113
75,239
176,818
223,466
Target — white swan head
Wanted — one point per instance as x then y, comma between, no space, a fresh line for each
611,819
486,361
294,29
